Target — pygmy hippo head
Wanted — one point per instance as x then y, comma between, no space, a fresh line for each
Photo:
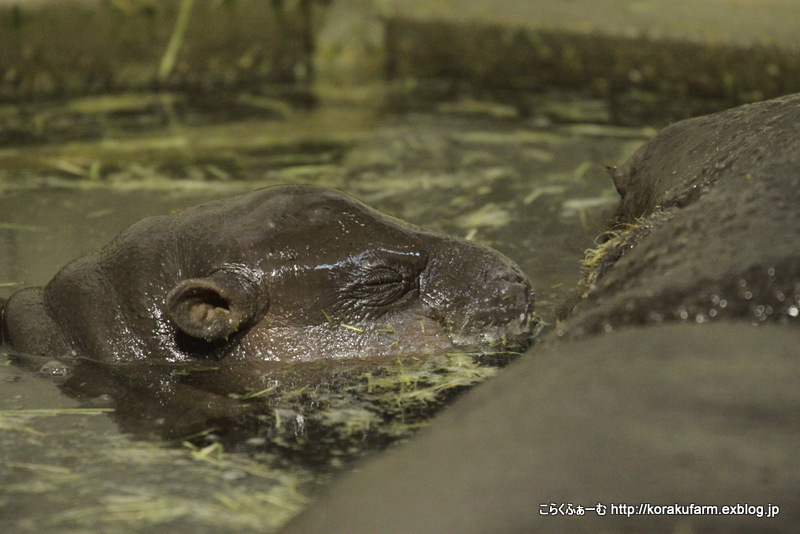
281,274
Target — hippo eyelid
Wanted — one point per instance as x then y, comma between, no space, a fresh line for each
378,286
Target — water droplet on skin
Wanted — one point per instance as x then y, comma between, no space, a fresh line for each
54,368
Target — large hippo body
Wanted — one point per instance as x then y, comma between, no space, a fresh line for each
281,274
709,221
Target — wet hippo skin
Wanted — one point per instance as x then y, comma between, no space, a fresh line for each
715,207
285,274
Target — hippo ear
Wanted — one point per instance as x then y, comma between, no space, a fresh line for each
215,307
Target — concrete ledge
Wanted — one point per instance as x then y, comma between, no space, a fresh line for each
711,22
504,60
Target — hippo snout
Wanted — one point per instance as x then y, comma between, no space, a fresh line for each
504,316
509,298
494,303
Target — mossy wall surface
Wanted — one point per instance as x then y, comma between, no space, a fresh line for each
448,49
76,47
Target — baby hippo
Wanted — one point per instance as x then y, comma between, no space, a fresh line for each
287,273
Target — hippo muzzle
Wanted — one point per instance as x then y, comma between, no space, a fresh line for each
282,274
494,306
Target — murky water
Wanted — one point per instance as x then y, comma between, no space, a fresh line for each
536,191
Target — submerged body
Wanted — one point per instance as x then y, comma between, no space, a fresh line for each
285,274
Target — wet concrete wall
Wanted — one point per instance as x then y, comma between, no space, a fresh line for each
86,46
636,54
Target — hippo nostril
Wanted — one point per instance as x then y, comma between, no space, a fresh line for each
509,286
513,278
502,273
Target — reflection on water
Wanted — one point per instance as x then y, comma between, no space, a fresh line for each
533,190
317,414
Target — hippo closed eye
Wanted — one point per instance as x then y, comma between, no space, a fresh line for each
281,274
